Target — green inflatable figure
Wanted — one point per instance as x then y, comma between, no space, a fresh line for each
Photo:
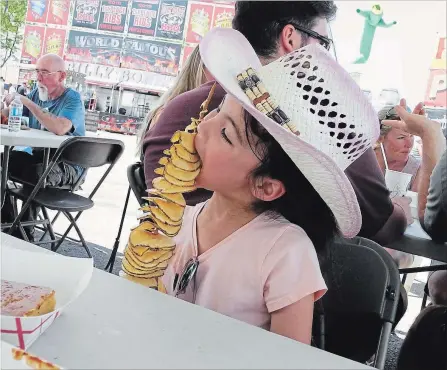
373,19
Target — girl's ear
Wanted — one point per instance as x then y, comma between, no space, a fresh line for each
268,189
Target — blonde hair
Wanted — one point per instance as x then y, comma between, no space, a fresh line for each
191,76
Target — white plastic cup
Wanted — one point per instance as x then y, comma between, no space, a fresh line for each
414,203
397,182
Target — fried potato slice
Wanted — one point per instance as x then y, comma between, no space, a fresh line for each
130,270
174,181
176,198
171,209
146,226
180,174
161,216
159,171
148,239
184,154
164,186
149,260
182,164
185,139
166,229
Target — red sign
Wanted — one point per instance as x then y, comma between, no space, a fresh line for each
186,53
32,44
113,15
436,94
223,16
54,41
37,11
143,17
58,12
200,17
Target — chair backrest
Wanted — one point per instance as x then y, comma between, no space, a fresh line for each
394,287
356,307
137,182
88,152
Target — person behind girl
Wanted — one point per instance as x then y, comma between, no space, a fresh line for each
397,145
280,192
426,342
192,75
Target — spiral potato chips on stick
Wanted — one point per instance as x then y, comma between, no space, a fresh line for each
150,245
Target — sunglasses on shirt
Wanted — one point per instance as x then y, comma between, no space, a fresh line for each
324,41
182,281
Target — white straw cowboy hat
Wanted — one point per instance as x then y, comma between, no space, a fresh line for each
309,104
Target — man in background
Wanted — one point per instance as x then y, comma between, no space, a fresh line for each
53,107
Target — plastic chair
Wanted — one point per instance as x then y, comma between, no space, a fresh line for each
356,315
86,152
137,183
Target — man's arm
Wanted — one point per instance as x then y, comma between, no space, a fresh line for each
57,125
435,216
382,220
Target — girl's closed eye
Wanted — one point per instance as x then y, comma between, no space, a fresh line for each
224,135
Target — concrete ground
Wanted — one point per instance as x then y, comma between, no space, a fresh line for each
100,226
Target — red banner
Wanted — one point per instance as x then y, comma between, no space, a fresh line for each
436,93
223,16
186,53
54,41
37,11
200,17
58,12
32,44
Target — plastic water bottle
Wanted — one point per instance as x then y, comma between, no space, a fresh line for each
15,114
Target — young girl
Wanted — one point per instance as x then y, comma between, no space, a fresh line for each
280,194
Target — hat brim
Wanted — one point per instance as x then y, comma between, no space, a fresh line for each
226,53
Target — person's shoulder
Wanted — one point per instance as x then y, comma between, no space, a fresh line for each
34,95
72,94
281,232
196,96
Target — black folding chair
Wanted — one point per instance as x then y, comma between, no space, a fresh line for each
355,317
137,183
85,152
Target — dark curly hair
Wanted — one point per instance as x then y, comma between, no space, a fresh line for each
261,22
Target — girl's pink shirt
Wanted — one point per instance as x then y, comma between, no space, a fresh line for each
264,266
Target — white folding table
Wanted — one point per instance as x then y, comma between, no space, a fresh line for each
117,324
32,138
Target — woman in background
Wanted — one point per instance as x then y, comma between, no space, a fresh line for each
192,75
397,145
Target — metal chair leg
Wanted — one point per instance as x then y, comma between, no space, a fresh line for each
424,301
73,222
111,261
379,361
49,227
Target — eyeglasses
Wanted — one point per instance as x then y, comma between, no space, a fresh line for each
189,272
324,41
45,73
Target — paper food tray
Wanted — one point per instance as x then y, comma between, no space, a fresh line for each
67,276
28,360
